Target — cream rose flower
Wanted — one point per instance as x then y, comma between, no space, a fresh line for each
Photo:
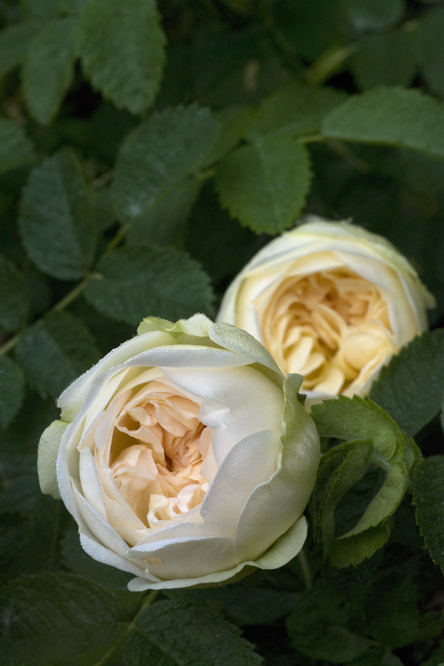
330,301
184,456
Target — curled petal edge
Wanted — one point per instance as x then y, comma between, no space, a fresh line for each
282,551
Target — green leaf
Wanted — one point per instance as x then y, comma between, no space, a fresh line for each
391,116
20,492
411,386
56,351
39,12
374,14
43,11
428,497
209,229
340,469
313,26
12,385
431,57
437,656
233,122
21,437
57,616
265,185
160,153
14,304
294,109
387,59
122,49
248,602
134,283
14,41
377,656
56,218
16,149
320,625
174,634
358,419
27,540
354,549
48,68
393,613
163,224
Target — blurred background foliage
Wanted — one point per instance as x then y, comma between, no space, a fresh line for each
147,151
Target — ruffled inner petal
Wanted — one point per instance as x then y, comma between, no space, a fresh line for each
330,326
150,447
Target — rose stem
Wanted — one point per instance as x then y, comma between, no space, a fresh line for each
305,568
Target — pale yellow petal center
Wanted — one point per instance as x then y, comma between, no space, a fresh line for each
330,326
157,451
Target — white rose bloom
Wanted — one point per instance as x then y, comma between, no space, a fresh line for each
184,456
330,301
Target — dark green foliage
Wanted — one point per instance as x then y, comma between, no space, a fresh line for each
14,41
204,638
11,390
134,281
413,403
428,497
14,303
392,116
344,465
265,185
56,217
48,68
56,616
430,55
374,14
16,149
385,59
121,46
56,351
159,154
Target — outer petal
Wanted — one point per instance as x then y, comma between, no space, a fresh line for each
189,356
47,456
188,557
350,243
277,504
243,343
282,551
72,398
101,554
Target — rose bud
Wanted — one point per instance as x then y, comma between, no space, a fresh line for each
330,301
184,456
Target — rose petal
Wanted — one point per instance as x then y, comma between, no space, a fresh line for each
73,397
49,445
188,557
228,394
282,551
275,505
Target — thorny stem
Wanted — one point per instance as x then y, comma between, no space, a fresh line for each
149,599
305,568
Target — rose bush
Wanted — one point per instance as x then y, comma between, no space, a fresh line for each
330,301
184,456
